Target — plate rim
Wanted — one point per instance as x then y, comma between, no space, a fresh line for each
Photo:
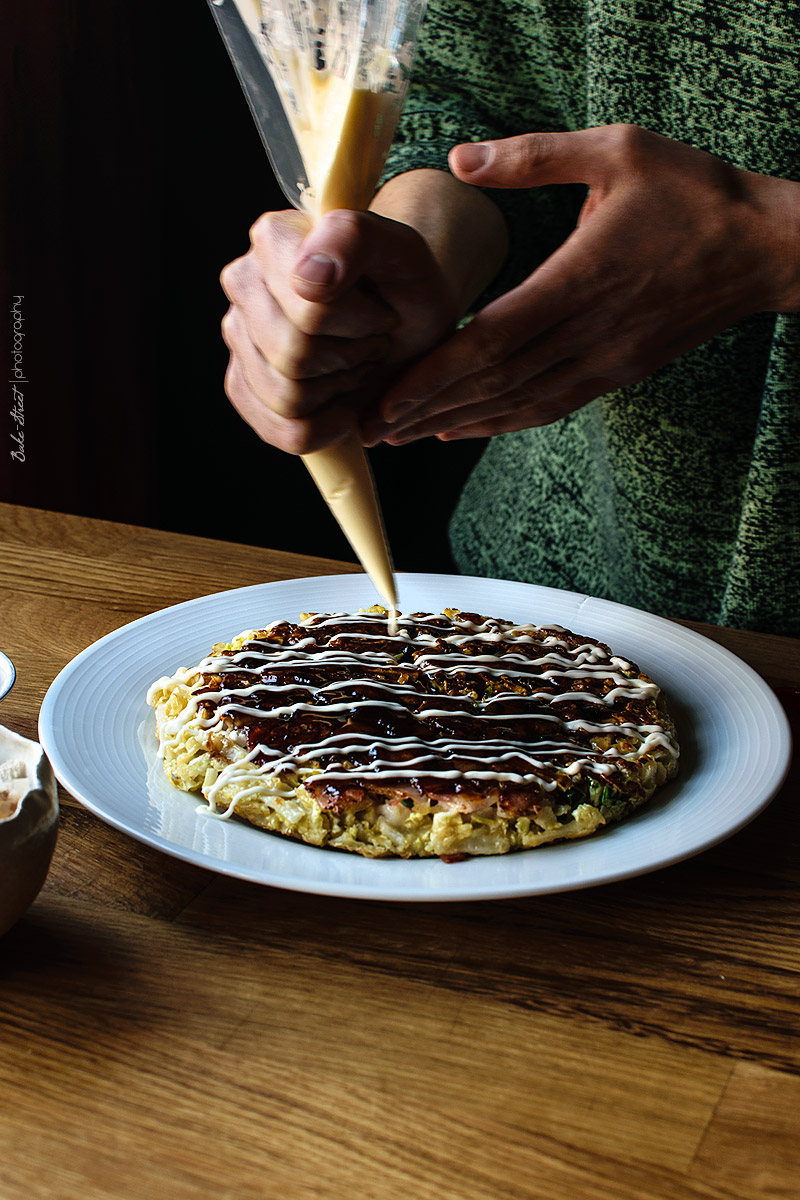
771,708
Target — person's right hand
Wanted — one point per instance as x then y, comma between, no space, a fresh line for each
313,310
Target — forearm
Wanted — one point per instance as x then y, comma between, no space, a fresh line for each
464,229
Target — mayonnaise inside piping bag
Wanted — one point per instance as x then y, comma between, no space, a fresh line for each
326,83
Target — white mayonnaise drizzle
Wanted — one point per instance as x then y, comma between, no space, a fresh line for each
431,654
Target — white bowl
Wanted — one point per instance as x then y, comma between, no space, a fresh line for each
28,823
7,674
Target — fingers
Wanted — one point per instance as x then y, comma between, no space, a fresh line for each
536,412
344,245
314,309
315,273
540,402
368,259
533,159
561,313
479,392
656,265
296,435
277,241
475,359
295,395
514,339
289,354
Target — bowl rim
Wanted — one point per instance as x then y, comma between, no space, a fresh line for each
8,674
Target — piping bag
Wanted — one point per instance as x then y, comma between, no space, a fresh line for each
326,82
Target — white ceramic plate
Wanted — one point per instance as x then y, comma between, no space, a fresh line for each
99,734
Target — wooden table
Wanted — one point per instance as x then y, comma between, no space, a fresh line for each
168,1032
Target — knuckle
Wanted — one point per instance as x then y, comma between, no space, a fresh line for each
273,230
230,328
298,438
234,382
492,345
348,223
494,382
627,142
288,397
312,319
537,148
262,229
295,358
303,358
233,279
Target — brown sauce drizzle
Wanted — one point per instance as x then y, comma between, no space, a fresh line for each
416,714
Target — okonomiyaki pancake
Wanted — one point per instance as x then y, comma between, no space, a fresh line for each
430,734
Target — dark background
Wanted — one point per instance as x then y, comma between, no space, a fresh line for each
132,172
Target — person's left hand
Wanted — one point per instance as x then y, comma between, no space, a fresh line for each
672,246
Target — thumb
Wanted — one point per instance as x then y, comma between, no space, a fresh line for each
344,246
533,159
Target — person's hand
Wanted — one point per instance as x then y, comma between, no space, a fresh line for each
312,313
672,246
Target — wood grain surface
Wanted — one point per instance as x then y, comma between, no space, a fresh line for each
168,1032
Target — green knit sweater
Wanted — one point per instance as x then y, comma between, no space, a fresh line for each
680,494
